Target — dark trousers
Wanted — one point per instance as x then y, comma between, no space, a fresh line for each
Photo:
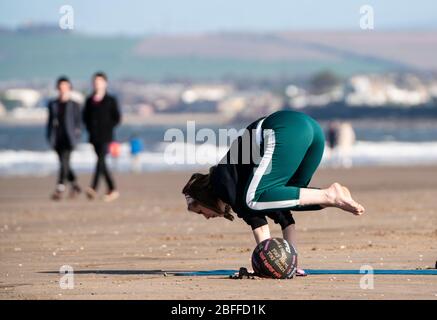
65,171
101,168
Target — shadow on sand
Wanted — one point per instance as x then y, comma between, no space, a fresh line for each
123,272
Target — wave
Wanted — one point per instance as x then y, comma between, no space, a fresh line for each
180,156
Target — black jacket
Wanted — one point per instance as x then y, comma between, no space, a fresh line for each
71,122
230,177
101,118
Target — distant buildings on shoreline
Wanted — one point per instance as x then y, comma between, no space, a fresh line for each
232,99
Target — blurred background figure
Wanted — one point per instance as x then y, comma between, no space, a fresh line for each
136,147
101,115
345,142
332,134
340,138
63,132
332,140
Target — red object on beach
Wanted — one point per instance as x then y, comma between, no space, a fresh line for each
115,149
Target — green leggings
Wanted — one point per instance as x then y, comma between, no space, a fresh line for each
292,147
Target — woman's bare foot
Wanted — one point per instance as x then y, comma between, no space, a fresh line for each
340,197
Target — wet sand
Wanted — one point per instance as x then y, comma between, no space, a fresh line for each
116,248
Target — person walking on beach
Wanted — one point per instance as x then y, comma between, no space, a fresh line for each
101,115
266,173
346,140
332,141
332,135
341,138
63,132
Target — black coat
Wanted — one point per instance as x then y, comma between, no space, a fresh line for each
71,122
101,118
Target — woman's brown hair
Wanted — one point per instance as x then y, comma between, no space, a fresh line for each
199,188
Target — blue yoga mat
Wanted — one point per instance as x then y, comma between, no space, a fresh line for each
380,271
422,272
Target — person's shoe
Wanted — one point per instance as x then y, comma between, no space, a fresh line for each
59,191
91,193
75,191
111,196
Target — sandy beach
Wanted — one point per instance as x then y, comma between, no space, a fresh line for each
116,249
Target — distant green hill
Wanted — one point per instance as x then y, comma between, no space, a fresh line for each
45,56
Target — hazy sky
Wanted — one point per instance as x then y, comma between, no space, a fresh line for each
187,16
